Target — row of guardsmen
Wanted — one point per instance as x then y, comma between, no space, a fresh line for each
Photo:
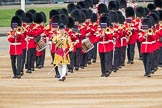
74,34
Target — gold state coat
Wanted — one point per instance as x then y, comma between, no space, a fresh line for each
63,43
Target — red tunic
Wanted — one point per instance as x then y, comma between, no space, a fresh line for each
105,44
15,43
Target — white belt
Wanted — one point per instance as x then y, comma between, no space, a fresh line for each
30,37
15,43
123,38
146,42
104,42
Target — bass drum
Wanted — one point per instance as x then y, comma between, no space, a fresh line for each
87,45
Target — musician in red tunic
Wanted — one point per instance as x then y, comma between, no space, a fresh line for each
15,37
132,34
105,46
147,38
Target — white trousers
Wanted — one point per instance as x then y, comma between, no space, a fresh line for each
62,70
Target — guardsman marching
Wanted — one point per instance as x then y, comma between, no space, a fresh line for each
22,15
146,38
139,16
76,15
105,46
131,34
15,37
74,38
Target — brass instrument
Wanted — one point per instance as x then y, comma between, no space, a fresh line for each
107,30
19,30
150,31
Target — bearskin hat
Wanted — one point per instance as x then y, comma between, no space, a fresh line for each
65,11
113,5
86,12
76,15
65,19
56,19
122,4
83,17
160,15
114,16
71,7
53,13
33,12
151,6
102,8
155,11
140,11
82,4
104,19
38,18
21,14
155,16
147,21
29,17
121,17
94,17
16,21
146,11
158,3
70,23
95,2
60,11
87,3
129,12
44,17
78,7
90,2
152,20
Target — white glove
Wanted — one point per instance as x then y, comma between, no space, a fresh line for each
27,39
49,42
70,49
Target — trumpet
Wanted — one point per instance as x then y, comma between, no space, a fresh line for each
19,30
